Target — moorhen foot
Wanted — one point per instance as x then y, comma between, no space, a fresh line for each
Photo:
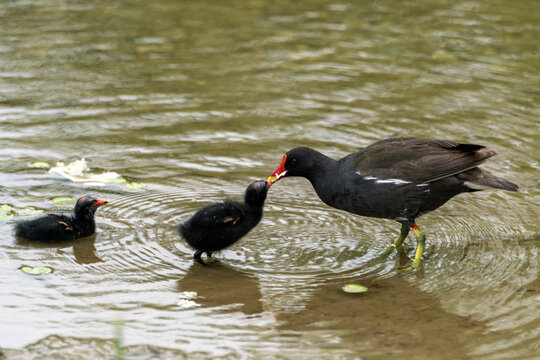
220,225
398,178
53,228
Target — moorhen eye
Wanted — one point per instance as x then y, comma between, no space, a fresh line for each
399,179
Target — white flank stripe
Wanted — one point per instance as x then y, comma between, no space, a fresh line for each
392,181
386,181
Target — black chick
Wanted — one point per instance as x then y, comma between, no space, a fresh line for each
219,225
53,228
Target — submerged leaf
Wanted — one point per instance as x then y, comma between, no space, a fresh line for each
36,270
354,288
28,211
5,217
119,339
7,212
134,186
117,180
64,200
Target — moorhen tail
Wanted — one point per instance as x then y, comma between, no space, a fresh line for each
399,179
53,228
220,225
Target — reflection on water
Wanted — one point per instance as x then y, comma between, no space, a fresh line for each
393,318
219,286
195,101
84,249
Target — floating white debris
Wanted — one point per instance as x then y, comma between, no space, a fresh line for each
186,304
188,295
186,300
78,171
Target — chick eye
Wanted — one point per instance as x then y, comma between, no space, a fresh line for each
293,161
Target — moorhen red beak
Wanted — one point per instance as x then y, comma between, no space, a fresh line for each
400,179
101,202
280,171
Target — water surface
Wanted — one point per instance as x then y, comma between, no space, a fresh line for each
197,99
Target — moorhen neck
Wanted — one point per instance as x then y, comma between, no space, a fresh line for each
220,225
399,179
53,228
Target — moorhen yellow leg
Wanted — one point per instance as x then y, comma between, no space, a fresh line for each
420,244
399,241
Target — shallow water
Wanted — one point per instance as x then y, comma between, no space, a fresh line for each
197,99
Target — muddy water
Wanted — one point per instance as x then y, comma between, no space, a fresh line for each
195,100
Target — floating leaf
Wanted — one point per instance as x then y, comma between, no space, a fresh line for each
28,211
64,200
134,186
36,270
5,212
354,288
118,180
40,164
5,217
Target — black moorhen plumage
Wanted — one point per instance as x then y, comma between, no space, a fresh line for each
399,179
55,228
220,225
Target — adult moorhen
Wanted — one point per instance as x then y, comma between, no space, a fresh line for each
399,179
53,228
220,225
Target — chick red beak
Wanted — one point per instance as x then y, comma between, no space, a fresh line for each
280,171
101,202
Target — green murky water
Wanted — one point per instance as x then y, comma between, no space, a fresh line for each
196,99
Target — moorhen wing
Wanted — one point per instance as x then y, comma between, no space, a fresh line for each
53,228
220,225
398,178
